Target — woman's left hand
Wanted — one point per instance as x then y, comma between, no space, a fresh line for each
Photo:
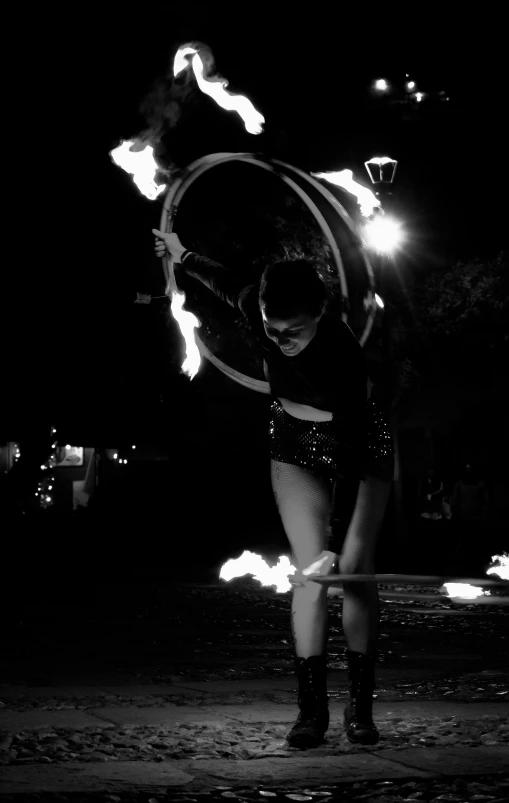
322,565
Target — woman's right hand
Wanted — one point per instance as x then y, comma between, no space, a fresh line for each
168,241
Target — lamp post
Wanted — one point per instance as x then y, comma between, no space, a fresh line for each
383,235
384,239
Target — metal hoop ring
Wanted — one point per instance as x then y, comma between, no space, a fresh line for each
324,207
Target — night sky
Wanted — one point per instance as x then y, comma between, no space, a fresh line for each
77,346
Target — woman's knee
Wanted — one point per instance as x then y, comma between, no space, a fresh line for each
309,593
359,563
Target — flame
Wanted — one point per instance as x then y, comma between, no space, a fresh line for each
216,88
187,323
366,199
468,591
463,591
503,566
251,563
141,164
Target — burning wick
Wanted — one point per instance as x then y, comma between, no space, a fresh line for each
366,199
251,563
215,87
501,566
188,323
463,591
140,163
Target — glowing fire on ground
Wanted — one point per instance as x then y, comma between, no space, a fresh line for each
188,323
140,163
215,87
279,575
366,199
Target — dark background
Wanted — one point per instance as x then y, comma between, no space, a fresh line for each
77,352
75,343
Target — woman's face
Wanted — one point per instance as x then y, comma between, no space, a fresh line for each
291,335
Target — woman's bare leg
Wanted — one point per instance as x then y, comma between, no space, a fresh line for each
304,502
361,607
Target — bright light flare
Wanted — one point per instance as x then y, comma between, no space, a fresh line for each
383,234
215,87
381,85
187,323
379,301
366,199
141,165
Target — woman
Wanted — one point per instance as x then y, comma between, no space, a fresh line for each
321,428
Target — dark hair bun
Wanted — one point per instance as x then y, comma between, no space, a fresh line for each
289,289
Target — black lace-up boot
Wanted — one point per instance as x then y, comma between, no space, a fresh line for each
313,719
358,721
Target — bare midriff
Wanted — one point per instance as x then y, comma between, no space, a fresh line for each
304,411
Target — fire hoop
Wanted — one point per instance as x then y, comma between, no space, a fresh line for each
333,220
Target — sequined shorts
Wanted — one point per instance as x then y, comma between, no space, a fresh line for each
314,444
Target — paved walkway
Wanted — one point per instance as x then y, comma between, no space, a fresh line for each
204,774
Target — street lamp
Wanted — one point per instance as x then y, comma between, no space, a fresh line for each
383,233
382,170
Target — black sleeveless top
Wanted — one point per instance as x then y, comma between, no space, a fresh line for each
329,374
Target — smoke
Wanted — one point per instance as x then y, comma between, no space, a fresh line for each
164,105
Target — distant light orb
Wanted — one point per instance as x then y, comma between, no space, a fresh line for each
419,96
381,84
379,301
410,85
383,235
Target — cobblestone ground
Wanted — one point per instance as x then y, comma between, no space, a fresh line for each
153,634
488,789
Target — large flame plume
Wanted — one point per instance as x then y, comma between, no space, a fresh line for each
187,323
215,87
137,158
251,563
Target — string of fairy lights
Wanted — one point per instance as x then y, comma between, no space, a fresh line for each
47,482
